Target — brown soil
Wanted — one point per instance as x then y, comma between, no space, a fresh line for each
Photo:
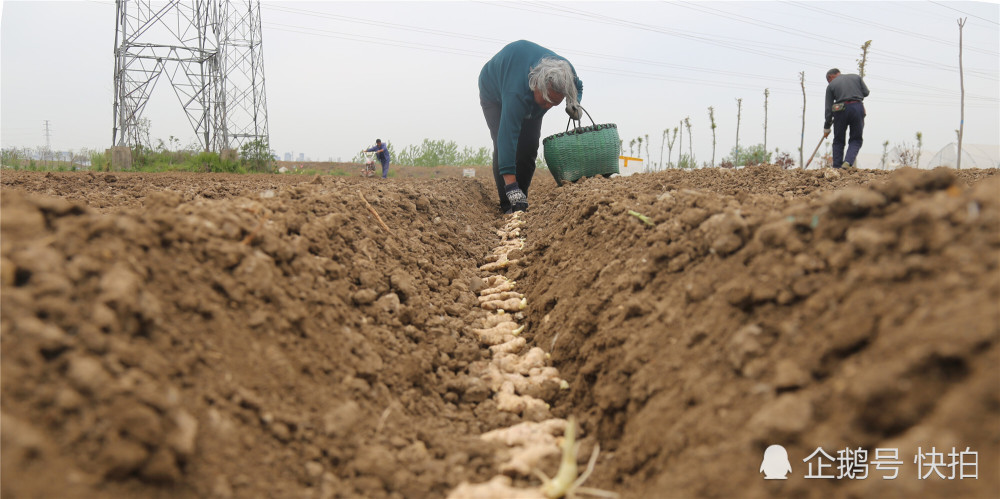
352,169
215,336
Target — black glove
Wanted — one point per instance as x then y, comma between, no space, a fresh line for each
518,200
574,111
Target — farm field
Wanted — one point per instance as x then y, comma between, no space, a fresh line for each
291,336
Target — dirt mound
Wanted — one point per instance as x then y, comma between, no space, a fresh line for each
862,317
188,335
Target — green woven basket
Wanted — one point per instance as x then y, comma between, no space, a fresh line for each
584,151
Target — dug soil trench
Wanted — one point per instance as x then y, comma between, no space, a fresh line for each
224,336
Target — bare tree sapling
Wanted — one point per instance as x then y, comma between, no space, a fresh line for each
802,138
767,92
961,80
920,146
864,58
680,146
711,118
739,113
687,123
663,140
670,145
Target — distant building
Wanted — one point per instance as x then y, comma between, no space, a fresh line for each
302,156
288,156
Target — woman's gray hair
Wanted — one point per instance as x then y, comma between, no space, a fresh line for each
553,75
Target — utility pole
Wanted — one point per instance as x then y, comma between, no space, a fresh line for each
212,54
961,82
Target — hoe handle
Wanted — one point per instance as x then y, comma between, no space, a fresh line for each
814,152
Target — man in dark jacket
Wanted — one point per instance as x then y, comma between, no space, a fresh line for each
382,153
516,87
844,108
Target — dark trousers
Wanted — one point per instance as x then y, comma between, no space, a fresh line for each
852,116
385,168
527,151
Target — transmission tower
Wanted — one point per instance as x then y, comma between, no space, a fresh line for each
212,54
243,118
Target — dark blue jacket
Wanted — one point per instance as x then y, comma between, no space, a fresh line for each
383,152
504,80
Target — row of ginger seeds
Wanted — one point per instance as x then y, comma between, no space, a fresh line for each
515,374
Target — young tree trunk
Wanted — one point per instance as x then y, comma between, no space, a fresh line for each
739,113
920,146
766,94
670,145
687,123
711,118
663,140
961,80
680,146
802,138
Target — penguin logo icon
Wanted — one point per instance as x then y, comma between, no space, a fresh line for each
775,464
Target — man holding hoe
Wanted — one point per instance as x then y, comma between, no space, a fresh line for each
844,108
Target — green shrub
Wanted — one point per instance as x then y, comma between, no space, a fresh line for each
100,161
687,161
436,153
208,161
256,156
749,156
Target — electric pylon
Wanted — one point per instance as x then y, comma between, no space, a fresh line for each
212,54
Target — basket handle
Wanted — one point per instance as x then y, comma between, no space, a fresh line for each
578,124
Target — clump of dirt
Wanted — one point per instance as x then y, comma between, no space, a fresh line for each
764,307
192,335
274,342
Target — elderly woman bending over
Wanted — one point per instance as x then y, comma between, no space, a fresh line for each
516,87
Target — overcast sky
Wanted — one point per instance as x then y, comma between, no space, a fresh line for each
340,74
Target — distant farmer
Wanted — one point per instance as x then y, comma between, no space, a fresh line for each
844,108
382,153
516,87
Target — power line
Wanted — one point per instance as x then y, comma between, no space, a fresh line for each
501,41
740,44
855,19
376,40
382,24
939,4
593,69
672,32
598,69
736,43
897,58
